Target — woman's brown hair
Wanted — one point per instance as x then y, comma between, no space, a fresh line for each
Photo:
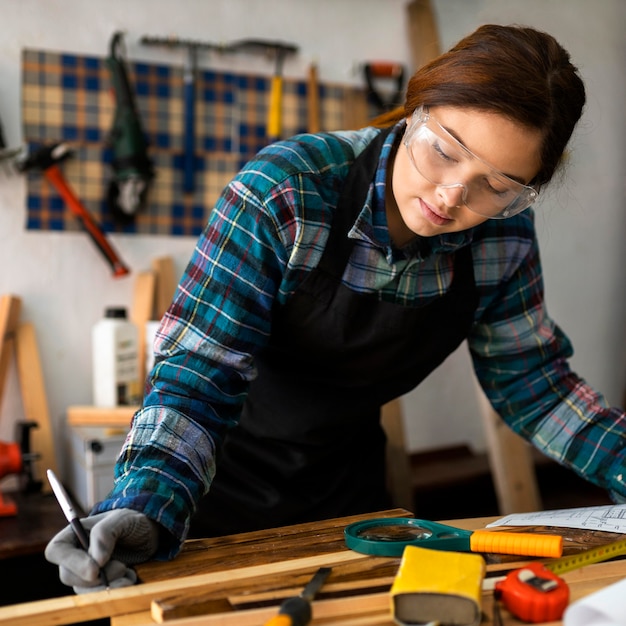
517,71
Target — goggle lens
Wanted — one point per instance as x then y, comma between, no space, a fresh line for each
439,157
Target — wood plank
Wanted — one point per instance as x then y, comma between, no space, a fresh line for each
114,417
512,465
10,308
359,605
165,285
35,401
355,110
85,607
200,556
399,479
142,311
375,606
273,590
423,32
133,619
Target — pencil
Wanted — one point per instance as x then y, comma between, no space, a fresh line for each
72,517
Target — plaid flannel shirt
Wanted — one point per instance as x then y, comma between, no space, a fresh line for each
266,232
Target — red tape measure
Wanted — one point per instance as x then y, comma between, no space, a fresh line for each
533,593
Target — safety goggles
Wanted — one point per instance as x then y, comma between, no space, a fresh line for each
440,159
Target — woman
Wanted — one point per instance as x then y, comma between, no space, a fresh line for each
335,273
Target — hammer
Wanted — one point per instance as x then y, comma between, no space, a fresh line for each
279,50
189,95
46,160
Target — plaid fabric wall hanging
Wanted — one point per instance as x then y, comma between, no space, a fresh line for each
67,98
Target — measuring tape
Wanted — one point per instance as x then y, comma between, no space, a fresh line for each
593,555
536,593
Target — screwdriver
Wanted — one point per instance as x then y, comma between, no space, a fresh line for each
296,611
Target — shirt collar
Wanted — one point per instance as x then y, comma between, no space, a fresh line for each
371,223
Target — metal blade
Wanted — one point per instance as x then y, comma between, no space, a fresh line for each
315,584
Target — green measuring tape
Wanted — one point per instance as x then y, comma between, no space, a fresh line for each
593,555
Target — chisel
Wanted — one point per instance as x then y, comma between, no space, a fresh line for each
296,611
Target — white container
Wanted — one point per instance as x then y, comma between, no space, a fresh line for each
115,355
93,452
151,328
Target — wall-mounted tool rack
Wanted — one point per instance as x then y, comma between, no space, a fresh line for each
66,97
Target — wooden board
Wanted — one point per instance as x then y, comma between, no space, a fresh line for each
423,33
266,546
75,608
142,311
115,417
35,401
165,285
373,608
10,307
512,464
373,575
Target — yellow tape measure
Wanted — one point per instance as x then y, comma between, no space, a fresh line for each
593,555
569,563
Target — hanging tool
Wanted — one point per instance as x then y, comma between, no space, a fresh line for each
296,611
536,592
389,537
384,71
132,168
17,458
189,97
313,100
278,50
47,159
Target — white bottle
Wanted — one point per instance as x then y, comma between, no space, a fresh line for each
115,359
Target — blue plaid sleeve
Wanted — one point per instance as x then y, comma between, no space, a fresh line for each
521,360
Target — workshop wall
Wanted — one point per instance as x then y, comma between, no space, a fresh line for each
65,285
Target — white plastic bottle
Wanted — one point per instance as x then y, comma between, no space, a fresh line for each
115,356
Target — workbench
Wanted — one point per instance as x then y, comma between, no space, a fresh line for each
240,580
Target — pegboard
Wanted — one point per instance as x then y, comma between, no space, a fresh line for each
68,98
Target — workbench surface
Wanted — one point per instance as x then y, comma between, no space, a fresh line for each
240,580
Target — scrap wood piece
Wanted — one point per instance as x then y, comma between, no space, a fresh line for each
269,590
35,400
10,307
374,607
90,606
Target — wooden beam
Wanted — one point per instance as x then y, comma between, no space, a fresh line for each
166,282
423,33
512,464
142,311
35,400
10,307
399,479
254,593
115,417
372,605
85,607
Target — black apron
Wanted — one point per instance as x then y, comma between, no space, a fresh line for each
309,444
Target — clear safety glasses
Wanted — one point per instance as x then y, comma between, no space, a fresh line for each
441,159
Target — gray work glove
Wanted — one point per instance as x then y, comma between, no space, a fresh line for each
117,539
